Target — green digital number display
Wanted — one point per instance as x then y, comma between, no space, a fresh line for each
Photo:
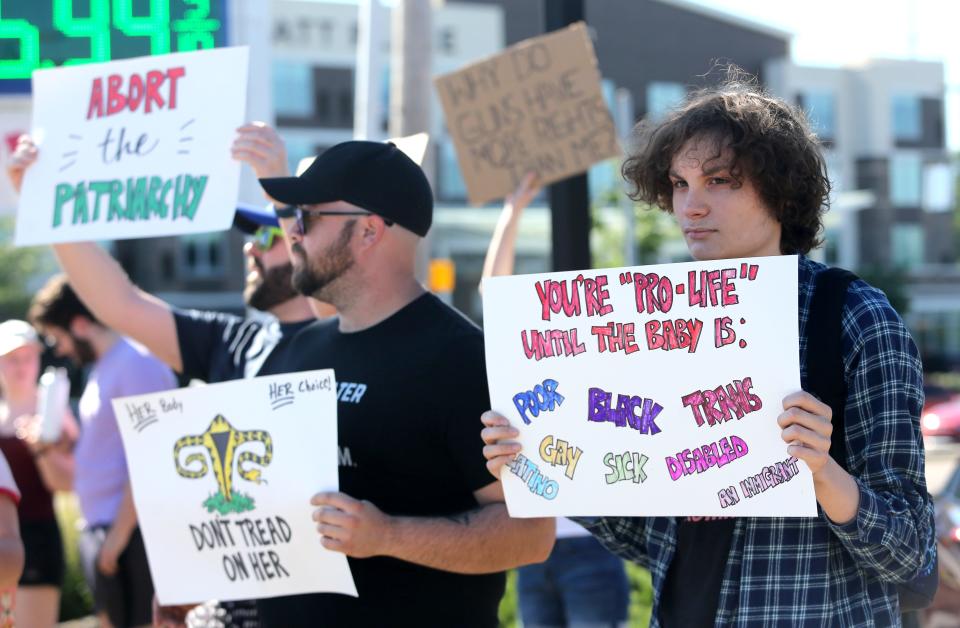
47,33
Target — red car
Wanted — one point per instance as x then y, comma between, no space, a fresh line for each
942,419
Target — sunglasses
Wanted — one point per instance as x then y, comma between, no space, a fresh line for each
264,237
297,212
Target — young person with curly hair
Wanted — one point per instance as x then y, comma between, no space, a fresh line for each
744,176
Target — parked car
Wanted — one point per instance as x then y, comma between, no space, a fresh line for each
941,419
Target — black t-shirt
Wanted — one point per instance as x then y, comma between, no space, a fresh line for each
218,347
410,393
691,591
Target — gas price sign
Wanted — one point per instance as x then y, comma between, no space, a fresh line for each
46,33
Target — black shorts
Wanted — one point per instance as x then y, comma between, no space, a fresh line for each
127,596
43,554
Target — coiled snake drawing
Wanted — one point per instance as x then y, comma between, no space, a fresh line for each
221,441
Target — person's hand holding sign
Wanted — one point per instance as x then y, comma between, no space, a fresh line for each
22,158
497,449
354,527
259,145
807,428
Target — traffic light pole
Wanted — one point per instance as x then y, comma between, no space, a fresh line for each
569,199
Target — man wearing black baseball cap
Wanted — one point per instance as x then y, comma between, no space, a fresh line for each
426,532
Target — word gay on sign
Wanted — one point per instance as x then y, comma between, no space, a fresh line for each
134,148
649,391
535,107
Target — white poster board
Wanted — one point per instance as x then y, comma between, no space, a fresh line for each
222,479
134,148
648,391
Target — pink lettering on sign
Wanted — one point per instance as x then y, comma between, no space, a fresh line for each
723,403
652,292
130,92
700,459
615,337
574,296
668,335
550,343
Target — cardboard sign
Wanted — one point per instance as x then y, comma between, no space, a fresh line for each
222,479
651,390
134,148
536,107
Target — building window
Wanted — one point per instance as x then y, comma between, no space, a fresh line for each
293,89
907,118
346,107
202,256
451,185
820,107
907,242
938,188
662,97
906,176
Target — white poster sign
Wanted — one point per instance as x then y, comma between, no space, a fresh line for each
134,148
222,479
651,390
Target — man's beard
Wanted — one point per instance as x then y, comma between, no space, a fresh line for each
83,353
314,280
275,287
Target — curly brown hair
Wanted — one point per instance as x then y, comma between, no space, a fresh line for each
769,141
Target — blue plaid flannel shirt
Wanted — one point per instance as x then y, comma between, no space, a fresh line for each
811,571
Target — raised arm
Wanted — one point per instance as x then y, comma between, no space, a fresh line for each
502,251
103,285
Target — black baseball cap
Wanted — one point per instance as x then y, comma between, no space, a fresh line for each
249,218
376,176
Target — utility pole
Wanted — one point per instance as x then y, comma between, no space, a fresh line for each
569,199
367,108
411,43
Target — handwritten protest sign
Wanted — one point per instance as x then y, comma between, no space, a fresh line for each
134,148
536,107
651,390
222,479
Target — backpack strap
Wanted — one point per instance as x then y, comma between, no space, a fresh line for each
826,377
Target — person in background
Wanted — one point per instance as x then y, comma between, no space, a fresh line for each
111,549
11,547
39,470
581,583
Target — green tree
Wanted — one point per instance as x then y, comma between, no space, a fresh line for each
893,282
19,268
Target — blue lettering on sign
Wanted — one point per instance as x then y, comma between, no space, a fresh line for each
543,398
537,482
